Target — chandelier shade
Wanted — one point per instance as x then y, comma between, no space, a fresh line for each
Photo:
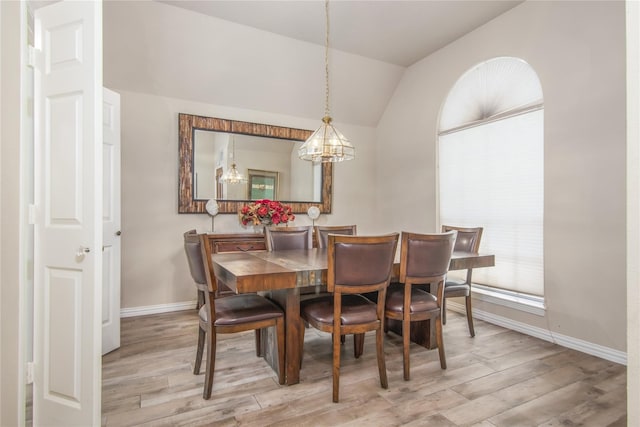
327,144
233,175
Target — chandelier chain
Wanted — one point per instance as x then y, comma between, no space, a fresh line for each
326,61
326,144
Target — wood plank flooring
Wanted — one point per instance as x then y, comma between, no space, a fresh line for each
498,378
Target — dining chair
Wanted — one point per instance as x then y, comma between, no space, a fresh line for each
322,231
222,289
283,238
234,313
468,240
424,259
355,264
200,293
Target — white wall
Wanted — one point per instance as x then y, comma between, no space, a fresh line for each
11,364
2,366
152,47
633,212
578,51
154,267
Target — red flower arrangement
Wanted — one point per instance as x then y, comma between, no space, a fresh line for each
265,212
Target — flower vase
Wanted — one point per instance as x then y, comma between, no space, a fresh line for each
260,227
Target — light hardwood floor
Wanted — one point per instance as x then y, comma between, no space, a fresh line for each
498,378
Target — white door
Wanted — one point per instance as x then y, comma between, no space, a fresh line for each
68,230
110,221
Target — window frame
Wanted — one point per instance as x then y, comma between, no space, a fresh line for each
522,301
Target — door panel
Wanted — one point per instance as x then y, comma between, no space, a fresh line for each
111,222
68,229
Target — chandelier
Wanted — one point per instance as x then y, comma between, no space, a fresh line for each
233,175
327,144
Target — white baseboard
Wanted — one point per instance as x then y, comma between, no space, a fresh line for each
156,309
597,350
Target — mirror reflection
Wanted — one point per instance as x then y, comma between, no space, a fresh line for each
280,178
270,168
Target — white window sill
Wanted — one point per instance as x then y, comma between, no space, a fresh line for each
517,301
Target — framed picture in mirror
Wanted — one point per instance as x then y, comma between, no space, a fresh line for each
262,185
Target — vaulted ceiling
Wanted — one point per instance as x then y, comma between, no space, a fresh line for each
269,55
398,32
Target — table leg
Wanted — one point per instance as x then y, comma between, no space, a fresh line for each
289,299
422,332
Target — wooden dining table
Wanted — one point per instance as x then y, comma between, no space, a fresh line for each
287,276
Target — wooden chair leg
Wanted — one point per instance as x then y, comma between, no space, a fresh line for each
281,349
343,339
440,342
259,352
382,368
336,365
200,302
470,316
211,364
444,311
301,346
358,345
202,334
406,336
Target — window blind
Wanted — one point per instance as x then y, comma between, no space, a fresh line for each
491,175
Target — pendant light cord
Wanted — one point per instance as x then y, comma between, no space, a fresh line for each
326,60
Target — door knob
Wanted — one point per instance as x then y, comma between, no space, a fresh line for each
118,233
82,250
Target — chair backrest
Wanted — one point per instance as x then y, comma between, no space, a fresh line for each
425,258
198,254
468,239
283,238
322,231
358,264
194,257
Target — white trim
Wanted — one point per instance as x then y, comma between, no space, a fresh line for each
524,109
633,212
518,301
583,346
156,309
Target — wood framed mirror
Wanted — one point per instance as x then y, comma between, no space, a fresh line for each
193,197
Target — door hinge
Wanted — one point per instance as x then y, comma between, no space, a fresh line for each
34,58
31,58
29,372
31,219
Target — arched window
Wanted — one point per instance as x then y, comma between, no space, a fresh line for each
490,152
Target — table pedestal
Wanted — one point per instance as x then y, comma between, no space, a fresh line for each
421,332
